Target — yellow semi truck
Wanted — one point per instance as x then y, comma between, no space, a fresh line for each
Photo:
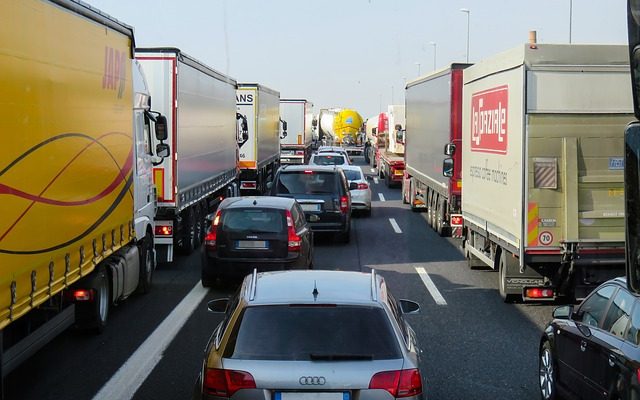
76,189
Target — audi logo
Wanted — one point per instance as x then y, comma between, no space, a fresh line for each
312,380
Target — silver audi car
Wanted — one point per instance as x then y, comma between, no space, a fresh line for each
321,335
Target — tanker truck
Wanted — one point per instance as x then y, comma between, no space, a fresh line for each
342,127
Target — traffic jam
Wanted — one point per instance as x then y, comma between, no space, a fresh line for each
169,231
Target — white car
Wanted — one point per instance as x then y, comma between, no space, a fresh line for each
334,149
329,159
360,197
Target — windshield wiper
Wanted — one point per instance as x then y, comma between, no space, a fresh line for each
341,357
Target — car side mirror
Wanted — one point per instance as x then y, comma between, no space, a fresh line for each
218,305
353,185
162,150
447,167
409,306
161,128
563,312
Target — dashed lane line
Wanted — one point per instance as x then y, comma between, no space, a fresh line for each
431,287
375,180
395,225
381,196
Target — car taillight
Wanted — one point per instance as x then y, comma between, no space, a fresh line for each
212,234
344,204
225,382
362,186
294,241
403,383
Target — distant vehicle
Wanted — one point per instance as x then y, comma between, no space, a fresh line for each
360,196
335,149
591,352
278,340
329,159
389,145
341,127
296,140
434,129
268,232
323,193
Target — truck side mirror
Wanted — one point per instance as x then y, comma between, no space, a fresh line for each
314,123
449,149
161,127
447,167
162,150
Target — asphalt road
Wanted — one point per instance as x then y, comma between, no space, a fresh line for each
475,346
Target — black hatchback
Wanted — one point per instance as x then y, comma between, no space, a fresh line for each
323,193
591,352
267,233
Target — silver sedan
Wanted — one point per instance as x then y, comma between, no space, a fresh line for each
360,197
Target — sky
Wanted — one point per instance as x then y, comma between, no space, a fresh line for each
356,53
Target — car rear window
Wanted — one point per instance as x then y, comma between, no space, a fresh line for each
353,175
328,160
254,220
312,332
307,182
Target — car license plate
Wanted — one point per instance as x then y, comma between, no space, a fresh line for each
310,207
312,396
251,244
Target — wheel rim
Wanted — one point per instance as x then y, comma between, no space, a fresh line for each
148,266
546,374
103,307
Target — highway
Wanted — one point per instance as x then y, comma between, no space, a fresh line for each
475,346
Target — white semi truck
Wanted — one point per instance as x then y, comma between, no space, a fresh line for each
199,104
296,137
260,147
542,167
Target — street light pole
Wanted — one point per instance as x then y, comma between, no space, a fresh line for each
570,19
434,54
468,12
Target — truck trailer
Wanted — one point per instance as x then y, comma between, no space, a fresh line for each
542,158
342,127
77,230
433,133
199,104
296,139
389,152
260,152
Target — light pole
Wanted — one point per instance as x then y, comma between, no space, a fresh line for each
418,64
434,54
570,18
468,12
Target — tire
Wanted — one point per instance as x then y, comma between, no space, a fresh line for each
147,265
387,179
93,315
547,373
344,237
502,280
440,219
187,243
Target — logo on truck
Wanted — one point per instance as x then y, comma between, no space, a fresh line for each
115,70
489,119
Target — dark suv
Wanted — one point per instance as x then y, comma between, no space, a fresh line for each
323,193
267,233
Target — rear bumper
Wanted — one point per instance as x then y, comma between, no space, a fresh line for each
330,226
213,266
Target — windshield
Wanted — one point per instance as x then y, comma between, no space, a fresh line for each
353,175
313,332
328,160
307,182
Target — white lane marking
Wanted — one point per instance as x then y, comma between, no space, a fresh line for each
395,225
133,373
373,170
381,196
375,180
431,287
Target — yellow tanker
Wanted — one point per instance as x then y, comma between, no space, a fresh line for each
346,125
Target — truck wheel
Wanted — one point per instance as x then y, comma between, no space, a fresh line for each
366,155
440,216
502,280
147,265
188,240
93,315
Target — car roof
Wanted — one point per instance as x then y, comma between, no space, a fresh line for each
329,153
315,287
319,168
257,201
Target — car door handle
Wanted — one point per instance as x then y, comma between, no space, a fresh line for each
583,345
